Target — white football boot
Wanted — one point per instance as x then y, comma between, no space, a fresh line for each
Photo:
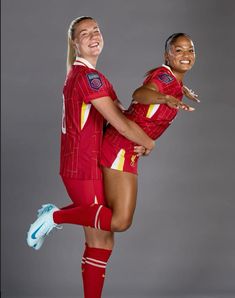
42,226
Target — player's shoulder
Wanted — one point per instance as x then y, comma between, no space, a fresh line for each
86,71
90,77
163,74
93,74
93,79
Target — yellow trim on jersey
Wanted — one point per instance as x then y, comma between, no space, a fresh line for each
84,113
119,161
152,110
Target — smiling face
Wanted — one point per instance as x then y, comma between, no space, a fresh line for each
181,55
88,40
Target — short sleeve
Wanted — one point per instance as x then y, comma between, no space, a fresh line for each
94,85
159,77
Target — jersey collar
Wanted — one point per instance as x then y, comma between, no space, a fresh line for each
84,62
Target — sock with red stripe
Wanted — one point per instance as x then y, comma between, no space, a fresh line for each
95,216
94,271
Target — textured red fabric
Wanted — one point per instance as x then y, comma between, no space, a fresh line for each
84,192
94,216
82,124
93,272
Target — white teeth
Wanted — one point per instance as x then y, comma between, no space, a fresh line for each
94,45
184,62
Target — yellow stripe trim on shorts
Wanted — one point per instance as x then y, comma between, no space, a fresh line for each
119,161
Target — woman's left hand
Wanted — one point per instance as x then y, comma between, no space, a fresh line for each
141,151
190,94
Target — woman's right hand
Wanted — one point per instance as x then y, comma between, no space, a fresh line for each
175,103
142,151
149,150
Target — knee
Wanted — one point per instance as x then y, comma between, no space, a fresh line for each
121,225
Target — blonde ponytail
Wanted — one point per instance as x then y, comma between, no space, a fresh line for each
71,53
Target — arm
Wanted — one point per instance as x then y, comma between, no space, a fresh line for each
119,105
129,129
149,94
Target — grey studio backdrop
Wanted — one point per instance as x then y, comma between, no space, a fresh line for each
181,243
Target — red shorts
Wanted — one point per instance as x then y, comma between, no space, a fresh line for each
85,192
118,153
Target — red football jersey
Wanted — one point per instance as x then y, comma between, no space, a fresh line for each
155,118
82,124
117,151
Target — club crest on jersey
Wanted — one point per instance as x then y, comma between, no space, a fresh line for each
94,81
133,160
166,78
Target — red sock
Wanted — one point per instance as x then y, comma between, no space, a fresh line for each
94,271
95,216
83,262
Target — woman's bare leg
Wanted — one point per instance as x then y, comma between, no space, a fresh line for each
120,193
98,238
